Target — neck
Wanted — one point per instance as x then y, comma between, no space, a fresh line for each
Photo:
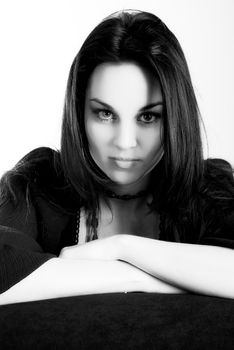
133,189
114,195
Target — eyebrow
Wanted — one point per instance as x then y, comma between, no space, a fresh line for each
148,106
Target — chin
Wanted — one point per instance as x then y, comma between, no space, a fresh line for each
124,179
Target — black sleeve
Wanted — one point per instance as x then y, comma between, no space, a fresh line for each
20,251
219,232
218,205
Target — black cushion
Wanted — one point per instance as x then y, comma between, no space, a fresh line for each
120,321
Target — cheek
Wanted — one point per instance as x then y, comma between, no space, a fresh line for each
98,137
153,141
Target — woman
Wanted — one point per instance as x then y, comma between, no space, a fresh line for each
129,203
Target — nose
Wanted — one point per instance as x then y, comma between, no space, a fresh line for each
125,136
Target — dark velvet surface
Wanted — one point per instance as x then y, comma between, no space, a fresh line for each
119,321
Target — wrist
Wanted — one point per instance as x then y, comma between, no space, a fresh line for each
66,252
123,246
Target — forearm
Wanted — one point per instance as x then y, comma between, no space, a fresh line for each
197,268
70,277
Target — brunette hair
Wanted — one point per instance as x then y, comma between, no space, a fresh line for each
180,180
143,38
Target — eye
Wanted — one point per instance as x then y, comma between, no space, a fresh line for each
104,114
149,117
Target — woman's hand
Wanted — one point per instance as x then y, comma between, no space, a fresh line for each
110,249
100,249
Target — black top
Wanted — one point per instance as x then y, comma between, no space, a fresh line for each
43,220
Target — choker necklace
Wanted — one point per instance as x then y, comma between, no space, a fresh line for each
126,196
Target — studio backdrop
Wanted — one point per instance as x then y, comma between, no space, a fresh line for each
40,38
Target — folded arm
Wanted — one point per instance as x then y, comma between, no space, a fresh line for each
202,269
198,268
60,277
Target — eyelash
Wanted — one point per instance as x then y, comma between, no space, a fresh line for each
105,120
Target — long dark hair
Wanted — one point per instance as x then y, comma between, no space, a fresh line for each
144,38
181,179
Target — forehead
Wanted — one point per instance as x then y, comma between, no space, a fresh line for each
125,81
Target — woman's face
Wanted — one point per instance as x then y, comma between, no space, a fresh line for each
123,121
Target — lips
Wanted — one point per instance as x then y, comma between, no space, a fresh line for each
123,159
124,163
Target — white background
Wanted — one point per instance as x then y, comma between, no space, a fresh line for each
39,39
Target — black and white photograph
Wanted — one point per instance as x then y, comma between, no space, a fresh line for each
116,174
